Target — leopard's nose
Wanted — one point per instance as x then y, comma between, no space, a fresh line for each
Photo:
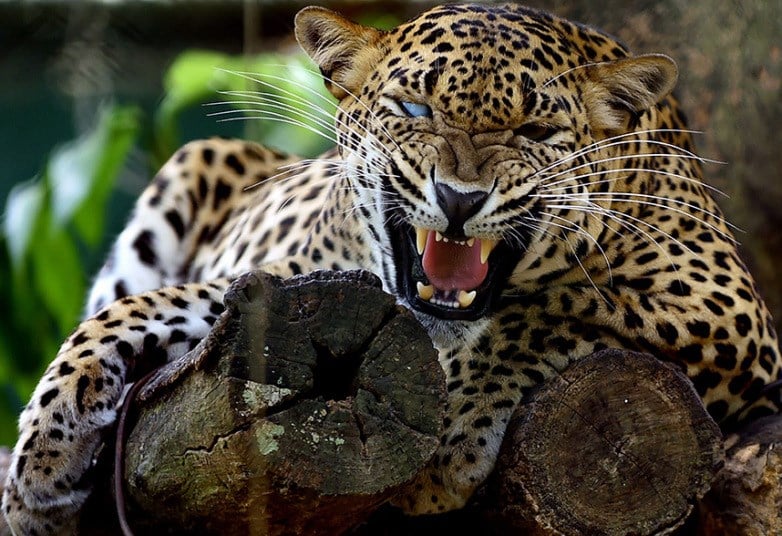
458,207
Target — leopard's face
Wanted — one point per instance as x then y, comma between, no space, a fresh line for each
470,132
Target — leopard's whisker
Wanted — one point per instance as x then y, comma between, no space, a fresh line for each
596,146
645,202
290,99
615,216
560,191
247,114
680,151
639,156
633,223
620,218
536,225
288,172
287,111
294,103
367,108
256,77
575,227
287,115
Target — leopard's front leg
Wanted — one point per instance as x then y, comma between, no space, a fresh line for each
477,415
484,387
523,345
75,401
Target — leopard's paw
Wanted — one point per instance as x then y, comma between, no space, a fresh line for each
48,479
60,430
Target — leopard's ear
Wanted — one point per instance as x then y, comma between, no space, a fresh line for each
345,51
619,91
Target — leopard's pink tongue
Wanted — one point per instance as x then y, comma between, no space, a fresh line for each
452,266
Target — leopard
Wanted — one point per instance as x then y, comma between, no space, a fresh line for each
525,185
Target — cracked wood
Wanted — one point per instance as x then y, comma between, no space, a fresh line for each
311,402
618,444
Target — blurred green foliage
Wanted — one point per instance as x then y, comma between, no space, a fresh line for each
47,224
281,99
53,222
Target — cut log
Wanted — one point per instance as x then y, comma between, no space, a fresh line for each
620,443
316,399
311,402
746,497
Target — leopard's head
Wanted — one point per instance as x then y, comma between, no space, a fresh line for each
461,128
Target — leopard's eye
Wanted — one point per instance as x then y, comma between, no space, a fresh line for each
415,109
536,131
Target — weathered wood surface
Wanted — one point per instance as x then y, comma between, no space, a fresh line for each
314,400
746,497
311,402
618,444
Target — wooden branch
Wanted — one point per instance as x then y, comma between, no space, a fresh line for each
620,443
311,402
746,497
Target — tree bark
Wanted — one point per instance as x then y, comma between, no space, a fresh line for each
746,497
620,443
311,402
316,399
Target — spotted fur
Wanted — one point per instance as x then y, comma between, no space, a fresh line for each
500,127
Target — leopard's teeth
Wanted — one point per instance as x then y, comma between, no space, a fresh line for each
425,292
470,242
438,236
465,298
487,246
420,239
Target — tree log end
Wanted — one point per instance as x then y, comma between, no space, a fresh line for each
309,404
620,443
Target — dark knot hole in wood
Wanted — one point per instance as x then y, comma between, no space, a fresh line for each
335,376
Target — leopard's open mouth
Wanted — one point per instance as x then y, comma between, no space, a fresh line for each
454,278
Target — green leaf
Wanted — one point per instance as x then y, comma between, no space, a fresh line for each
10,405
190,78
22,212
82,173
188,81
58,276
198,77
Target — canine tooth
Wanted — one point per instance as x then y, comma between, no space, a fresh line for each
470,242
420,239
438,236
425,292
465,299
486,248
